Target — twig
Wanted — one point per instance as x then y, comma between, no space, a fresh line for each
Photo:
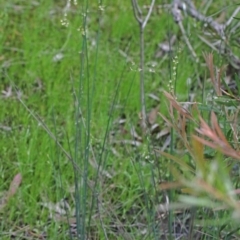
187,41
233,30
149,14
232,17
178,19
189,8
207,43
192,11
142,24
137,11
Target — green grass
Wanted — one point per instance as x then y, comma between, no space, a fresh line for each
124,194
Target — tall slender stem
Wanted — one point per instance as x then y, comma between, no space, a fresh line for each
142,24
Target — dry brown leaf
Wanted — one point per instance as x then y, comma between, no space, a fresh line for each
152,116
14,185
170,185
163,132
12,190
